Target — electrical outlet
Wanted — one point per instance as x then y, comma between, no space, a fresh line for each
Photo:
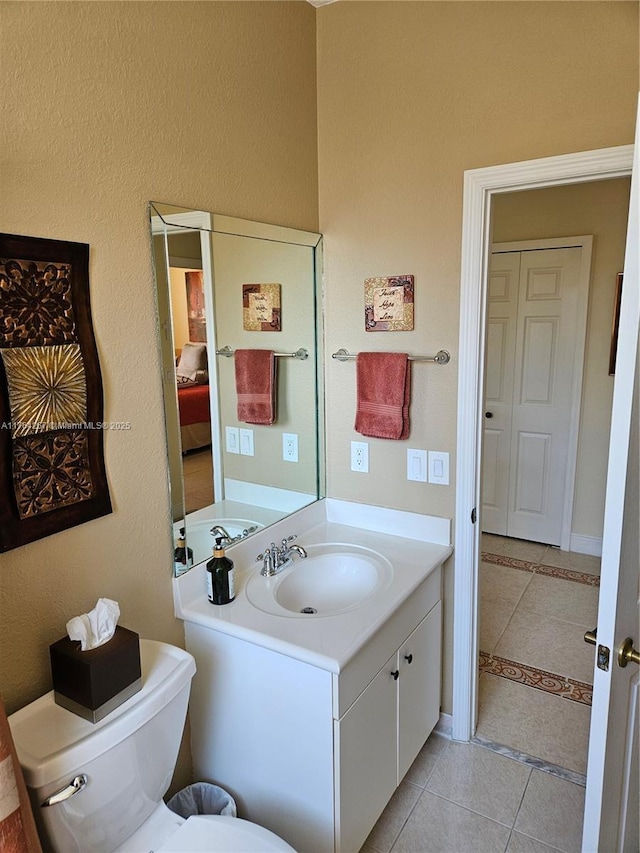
439,467
246,442
233,439
289,447
360,456
417,465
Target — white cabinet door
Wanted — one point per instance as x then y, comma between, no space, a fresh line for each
502,316
534,330
542,394
418,688
366,755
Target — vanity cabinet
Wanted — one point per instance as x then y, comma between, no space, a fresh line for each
380,735
315,753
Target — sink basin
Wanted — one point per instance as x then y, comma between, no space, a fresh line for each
332,579
199,536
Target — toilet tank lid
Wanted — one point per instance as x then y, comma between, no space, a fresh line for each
51,741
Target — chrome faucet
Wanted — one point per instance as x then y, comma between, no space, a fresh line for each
218,531
274,559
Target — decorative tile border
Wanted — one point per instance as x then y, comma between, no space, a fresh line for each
568,575
549,682
541,569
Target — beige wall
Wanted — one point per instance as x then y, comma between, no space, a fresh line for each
105,107
409,96
600,209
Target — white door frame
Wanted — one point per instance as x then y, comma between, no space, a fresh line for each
585,243
198,220
479,187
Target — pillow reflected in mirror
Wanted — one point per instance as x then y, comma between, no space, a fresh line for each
192,365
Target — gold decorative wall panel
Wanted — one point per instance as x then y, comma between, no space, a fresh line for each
51,447
47,388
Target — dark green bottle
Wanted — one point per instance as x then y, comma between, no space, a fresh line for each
220,585
182,556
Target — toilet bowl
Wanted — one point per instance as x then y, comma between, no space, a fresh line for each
98,787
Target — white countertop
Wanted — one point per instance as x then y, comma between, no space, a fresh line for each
330,641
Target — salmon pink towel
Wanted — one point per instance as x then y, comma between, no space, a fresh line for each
383,391
256,385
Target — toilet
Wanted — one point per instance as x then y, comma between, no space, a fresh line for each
98,787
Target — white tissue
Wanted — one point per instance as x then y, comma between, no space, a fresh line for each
97,627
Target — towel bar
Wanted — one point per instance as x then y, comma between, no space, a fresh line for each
301,353
441,357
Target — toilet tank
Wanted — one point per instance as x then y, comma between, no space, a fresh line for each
128,757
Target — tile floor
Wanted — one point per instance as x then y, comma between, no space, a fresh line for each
465,798
197,469
536,603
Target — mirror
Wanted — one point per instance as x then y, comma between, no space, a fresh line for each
225,285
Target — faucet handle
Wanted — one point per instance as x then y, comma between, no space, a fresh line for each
288,539
268,552
267,562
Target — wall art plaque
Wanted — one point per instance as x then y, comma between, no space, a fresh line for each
52,468
388,304
261,308
195,306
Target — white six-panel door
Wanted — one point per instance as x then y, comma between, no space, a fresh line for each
532,328
502,315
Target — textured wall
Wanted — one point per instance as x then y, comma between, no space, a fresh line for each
105,107
410,95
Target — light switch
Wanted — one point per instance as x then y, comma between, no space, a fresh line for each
233,439
417,465
246,442
289,447
439,467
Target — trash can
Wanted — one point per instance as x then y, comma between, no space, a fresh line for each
202,798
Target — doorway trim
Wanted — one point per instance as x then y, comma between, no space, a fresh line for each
480,185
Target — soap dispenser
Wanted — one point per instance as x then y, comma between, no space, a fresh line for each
220,580
182,556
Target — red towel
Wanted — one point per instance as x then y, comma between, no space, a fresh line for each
256,385
383,391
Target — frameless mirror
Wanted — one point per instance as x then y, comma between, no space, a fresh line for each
225,285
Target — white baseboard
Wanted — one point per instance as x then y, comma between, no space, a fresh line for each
586,544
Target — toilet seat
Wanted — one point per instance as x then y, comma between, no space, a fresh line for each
211,833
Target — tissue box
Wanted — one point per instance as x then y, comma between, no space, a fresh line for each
95,682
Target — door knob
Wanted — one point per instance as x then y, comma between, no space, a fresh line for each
488,414
627,653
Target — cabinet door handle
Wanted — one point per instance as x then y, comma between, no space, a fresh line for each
408,658
396,674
